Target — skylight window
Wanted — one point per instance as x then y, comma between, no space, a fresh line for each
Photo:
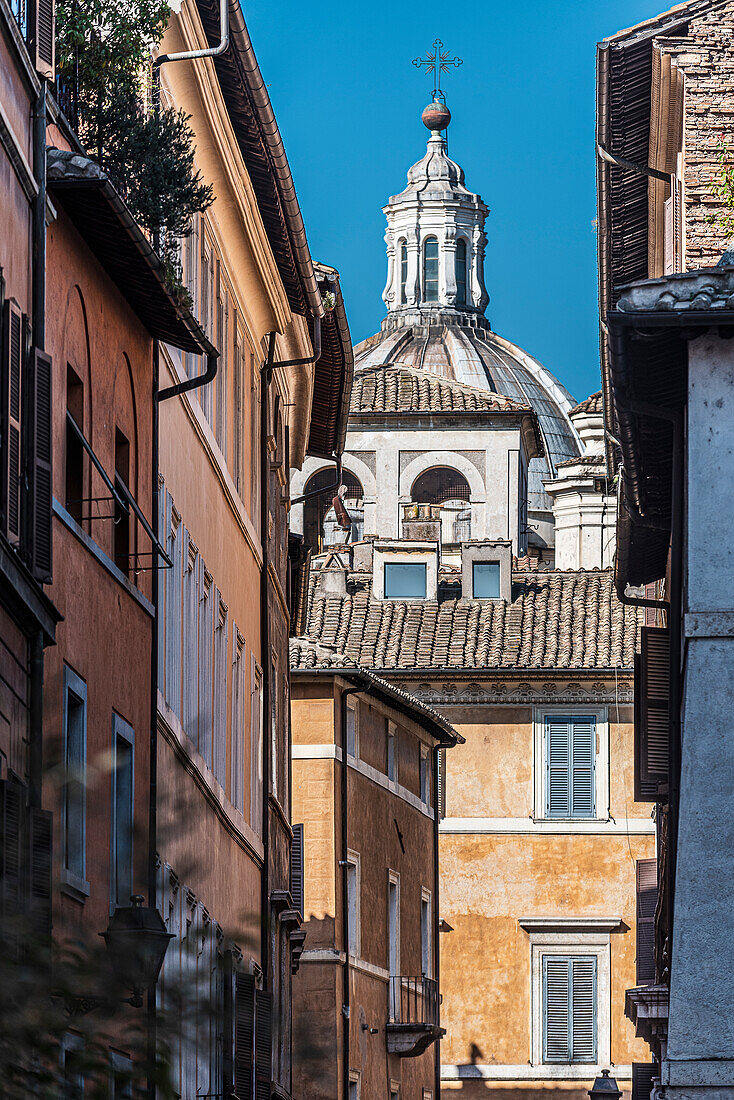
405,580
486,580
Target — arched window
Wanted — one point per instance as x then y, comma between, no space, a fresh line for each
440,485
430,270
450,489
403,271
315,509
461,279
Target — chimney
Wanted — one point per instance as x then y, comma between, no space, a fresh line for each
331,579
422,523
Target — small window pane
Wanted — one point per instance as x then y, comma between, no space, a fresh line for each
486,580
351,732
122,822
461,272
403,271
405,580
430,270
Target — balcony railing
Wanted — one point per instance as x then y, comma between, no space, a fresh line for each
413,1000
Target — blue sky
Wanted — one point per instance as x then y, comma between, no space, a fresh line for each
348,103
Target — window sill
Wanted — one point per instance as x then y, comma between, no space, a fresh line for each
74,886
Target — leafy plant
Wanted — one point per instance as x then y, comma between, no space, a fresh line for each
723,187
104,50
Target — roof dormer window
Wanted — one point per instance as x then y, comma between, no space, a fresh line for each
405,580
486,570
486,580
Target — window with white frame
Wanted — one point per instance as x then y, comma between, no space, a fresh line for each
425,776
219,724
392,752
206,639
571,764
352,729
123,823
393,941
426,934
354,887
190,639
256,747
569,1008
571,991
75,779
174,576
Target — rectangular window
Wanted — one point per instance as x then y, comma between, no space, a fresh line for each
273,696
393,942
352,733
392,750
570,749
238,720
75,768
425,776
486,580
174,578
123,549
405,580
426,934
72,1066
255,397
190,639
569,1008
123,771
354,1089
256,747
353,903
122,1075
647,899
219,699
74,449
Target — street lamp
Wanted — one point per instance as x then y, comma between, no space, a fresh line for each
137,941
605,1088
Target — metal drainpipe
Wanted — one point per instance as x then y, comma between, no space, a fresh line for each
153,744
267,687
346,1015
35,716
436,955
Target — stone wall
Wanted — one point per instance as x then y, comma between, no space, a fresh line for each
706,59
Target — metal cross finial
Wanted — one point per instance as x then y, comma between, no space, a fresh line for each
440,62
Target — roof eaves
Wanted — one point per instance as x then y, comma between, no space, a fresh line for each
334,373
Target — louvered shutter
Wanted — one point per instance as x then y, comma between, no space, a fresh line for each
263,1044
441,784
556,993
583,1009
652,733
40,836
42,470
244,1036
12,363
12,815
42,16
583,738
647,896
558,760
297,868
642,1075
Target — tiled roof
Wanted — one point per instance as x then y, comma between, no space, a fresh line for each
405,390
592,405
306,655
556,619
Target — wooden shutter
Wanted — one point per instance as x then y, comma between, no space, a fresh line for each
40,836
41,473
244,1036
653,716
647,897
41,19
642,1075
558,767
583,1008
569,1008
297,868
556,1000
583,745
263,1044
12,362
12,814
441,784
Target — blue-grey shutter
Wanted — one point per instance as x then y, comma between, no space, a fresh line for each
583,1008
583,738
569,1008
557,758
556,994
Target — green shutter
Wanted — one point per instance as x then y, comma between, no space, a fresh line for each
569,1008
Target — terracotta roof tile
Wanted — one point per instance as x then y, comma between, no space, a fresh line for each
556,619
592,405
396,389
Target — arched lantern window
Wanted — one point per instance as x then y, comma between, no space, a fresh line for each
430,270
403,271
315,509
440,485
461,279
